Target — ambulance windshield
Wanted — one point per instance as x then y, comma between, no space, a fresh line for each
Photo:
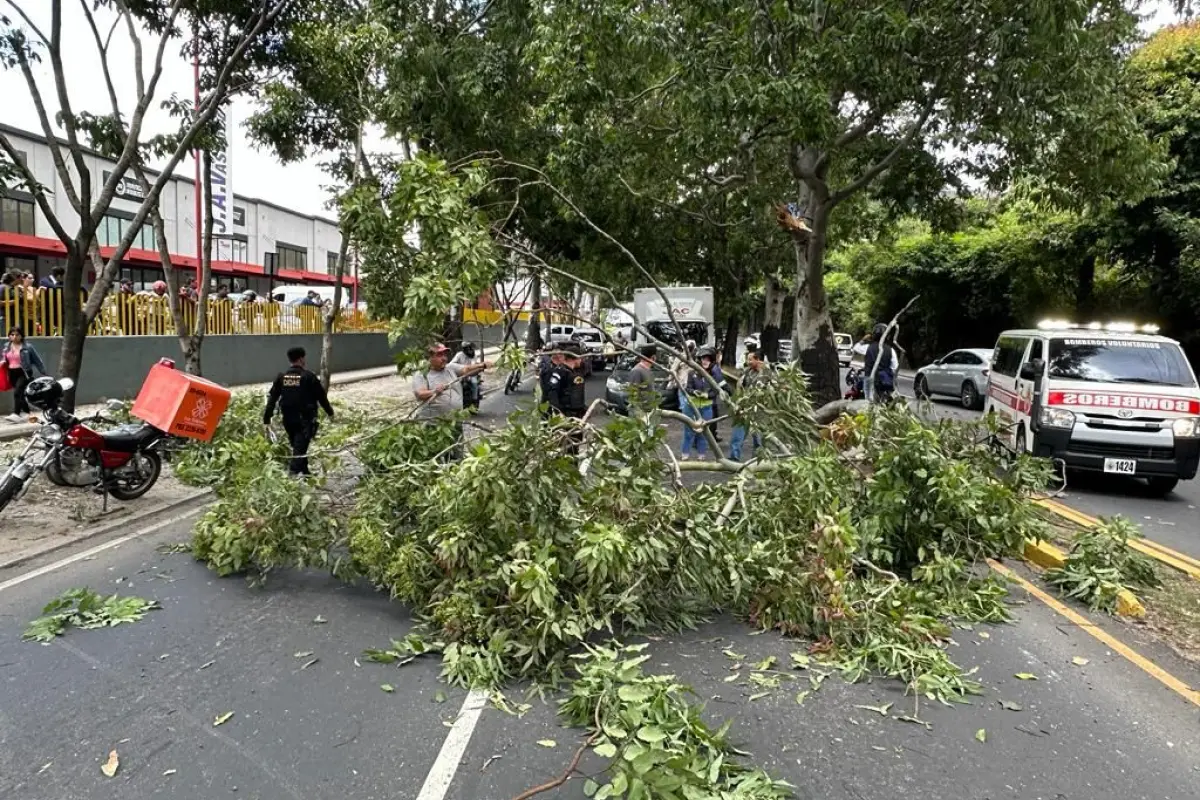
1104,360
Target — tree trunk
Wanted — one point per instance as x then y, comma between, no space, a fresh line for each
339,273
813,344
533,336
774,296
191,353
70,360
729,352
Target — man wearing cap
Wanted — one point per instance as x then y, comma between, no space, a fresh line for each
440,386
565,383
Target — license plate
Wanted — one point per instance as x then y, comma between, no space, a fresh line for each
1121,466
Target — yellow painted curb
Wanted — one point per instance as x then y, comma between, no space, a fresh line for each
1047,556
1159,552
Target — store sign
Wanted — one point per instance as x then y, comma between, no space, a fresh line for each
127,187
220,190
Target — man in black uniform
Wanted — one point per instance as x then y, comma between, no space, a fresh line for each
565,384
298,393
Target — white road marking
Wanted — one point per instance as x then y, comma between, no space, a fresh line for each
100,548
441,774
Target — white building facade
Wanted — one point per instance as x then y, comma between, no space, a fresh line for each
266,237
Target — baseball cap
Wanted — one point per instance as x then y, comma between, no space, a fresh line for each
438,348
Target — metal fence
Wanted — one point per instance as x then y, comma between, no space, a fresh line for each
41,314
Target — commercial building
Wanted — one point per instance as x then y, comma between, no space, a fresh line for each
302,248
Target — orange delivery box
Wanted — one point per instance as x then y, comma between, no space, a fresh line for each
179,403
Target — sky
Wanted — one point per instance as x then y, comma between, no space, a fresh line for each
255,173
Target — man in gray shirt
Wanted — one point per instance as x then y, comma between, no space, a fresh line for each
440,387
641,379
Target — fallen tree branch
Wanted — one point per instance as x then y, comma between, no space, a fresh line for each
887,333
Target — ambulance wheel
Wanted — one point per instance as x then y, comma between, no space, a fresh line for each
1161,486
1021,443
970,396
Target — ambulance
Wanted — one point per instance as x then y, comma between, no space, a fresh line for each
1114,398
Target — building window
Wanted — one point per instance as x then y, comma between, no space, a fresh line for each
332,263
112,228
16,215
239,217
291,257
240,251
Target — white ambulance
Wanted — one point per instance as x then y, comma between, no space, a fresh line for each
1115,398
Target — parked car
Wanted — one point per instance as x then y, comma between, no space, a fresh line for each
845,348
593,342
960,373
616,388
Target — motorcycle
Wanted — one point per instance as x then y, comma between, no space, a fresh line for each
123,463
854,384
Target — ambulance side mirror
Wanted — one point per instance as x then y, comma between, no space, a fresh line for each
1032,370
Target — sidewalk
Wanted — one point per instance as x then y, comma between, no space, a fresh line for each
17,430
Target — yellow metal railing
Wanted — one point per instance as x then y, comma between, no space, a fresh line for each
41,314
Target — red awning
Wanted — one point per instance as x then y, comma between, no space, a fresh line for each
21,244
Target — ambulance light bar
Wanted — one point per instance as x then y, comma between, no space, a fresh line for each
1113,327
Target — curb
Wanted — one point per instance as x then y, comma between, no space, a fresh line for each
1047,556
1159,552
197,499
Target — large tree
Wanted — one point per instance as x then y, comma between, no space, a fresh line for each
813,103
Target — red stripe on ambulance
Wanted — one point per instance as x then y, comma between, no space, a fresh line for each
1135,402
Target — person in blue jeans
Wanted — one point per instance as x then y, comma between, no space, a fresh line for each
696,400
754,373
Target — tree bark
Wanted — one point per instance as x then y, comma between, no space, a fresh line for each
339,272
533,335
70,359
774,295
813,344
729,351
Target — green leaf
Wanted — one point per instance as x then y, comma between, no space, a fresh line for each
1026,676
651,734
547,743
1010,706
590,787
800,660
801,696
634,693
387,687
605,749
222,718
880,710
440,697
981,735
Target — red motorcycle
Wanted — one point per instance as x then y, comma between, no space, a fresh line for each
124,462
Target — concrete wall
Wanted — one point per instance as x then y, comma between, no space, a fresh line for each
115,366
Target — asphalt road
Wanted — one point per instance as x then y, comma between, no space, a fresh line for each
153,689
1172,520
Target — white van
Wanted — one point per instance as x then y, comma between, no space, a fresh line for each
1107,398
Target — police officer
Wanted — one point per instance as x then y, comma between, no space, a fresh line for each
298,393
564,383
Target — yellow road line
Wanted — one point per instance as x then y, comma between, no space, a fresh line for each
1172,558
1083,623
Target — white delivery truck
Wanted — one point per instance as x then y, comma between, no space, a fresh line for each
1113,398
692,307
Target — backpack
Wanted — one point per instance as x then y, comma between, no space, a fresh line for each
885,379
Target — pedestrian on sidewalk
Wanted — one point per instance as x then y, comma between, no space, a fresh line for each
20,359
696,401
755,374
298,394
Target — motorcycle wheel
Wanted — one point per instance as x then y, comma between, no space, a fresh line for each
152,466
8,490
